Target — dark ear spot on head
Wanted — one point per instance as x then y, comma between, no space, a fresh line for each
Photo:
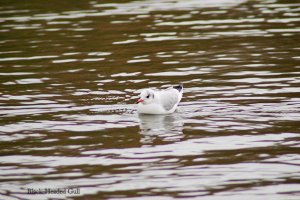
152,95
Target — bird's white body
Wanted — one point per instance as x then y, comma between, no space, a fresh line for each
159,101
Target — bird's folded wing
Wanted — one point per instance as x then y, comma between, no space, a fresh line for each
169,98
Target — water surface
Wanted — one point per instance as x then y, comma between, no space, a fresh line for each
70,73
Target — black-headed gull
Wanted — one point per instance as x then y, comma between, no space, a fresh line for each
159,101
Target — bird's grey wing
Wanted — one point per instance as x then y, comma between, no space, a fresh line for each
169,98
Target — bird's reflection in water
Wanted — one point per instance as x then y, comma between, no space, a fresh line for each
161,127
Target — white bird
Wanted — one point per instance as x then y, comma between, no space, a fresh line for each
159,101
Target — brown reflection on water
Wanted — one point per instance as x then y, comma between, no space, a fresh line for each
70,73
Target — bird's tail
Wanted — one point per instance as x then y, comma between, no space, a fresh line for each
178,87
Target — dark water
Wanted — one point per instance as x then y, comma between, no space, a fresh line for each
70,72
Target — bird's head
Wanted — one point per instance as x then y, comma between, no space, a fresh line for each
146,96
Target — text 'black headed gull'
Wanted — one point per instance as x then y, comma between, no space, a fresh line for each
159,101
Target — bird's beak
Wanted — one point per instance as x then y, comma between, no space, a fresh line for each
140,100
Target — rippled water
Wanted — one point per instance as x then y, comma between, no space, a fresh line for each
71,72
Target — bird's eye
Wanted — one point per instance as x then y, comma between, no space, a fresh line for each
147,96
